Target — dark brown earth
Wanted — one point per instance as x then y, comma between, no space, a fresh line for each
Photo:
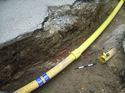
97,79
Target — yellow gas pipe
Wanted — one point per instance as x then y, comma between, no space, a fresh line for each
72,56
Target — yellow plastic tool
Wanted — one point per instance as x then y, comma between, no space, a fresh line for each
107,55
72,56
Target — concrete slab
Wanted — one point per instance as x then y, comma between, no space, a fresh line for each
22,16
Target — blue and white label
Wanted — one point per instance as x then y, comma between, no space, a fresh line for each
46,77
40,81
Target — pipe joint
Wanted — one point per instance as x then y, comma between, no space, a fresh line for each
76,53
107,55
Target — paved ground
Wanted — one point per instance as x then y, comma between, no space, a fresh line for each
22,16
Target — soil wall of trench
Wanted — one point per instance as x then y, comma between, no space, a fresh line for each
63,24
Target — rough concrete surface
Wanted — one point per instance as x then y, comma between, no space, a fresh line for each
64,29
19,16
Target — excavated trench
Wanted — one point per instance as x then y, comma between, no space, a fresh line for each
63,30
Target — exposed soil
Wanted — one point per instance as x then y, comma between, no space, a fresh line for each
97,79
